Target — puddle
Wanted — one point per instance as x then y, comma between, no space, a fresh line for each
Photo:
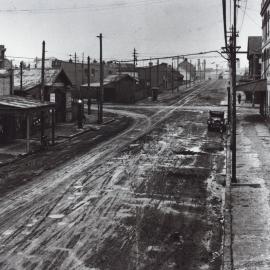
8,232
56,216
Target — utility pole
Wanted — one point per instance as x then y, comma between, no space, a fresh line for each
11,78
134,71
186,70
190,75
233,64
172,77
42,92
83,68
75,70
42,72
150,75
166,76
88,86
158,73
199,69
21,75
178,72
101,89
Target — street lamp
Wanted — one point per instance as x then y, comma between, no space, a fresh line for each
80,113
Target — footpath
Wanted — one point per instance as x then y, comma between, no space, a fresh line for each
247,210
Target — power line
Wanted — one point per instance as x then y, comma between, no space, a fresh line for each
243,16
84,8
251,18
173,56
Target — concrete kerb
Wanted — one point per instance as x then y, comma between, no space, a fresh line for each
227,212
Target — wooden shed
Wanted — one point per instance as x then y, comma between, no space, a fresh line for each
121,88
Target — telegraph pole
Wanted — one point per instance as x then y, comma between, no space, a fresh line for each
172,77
42,72
21,75
150,75
190,71
158,73
82,68
199,69
134,70
101,89
233,64
88,86
186,70
178,72
75,67
42,92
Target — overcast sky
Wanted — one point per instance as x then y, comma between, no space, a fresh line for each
153,27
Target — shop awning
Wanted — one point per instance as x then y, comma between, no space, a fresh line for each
13,104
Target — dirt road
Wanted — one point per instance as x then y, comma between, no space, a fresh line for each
148,198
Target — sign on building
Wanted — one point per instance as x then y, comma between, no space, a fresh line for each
52,97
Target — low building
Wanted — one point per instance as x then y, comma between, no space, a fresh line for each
57,89
16,114
121,88
161,76
78,72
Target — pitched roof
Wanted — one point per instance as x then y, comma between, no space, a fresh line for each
32,77
110,79
254,45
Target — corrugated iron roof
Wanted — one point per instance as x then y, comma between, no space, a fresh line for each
18,102
32,77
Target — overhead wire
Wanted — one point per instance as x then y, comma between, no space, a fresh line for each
83,8
240,28
250,17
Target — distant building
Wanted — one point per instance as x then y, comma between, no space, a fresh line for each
78,73
121,88
162,76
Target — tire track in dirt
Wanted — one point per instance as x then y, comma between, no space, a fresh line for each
105,150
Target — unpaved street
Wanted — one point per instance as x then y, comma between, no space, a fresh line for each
150,197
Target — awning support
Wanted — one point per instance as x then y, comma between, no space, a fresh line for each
27,133
53,126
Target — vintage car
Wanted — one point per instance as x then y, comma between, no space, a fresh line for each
216,121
